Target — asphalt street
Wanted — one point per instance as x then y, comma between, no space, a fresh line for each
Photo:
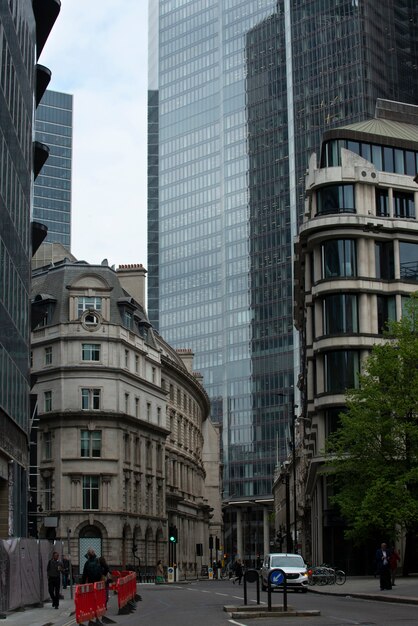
201,603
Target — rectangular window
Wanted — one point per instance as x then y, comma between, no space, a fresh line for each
382,202
335,199
388,161
137,364
47,493
339,258
47,437
126,358
332,420
91,443
408,260
136,407
128,319
384,260
341,370
127,446
90,492
386,312
148,411
47,401
90,352
403,204
90,399
340,314
48,355
126,402
88,303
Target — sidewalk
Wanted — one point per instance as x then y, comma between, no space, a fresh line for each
48,616
367,587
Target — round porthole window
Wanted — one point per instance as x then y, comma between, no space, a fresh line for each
91,320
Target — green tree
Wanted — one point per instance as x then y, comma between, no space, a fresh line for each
373,457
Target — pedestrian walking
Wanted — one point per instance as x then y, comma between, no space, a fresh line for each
92,572
238,572
159,573
65,571
53,571
383,567
394,561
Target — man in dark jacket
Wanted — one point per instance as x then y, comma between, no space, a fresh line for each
53,571
383,566
92,572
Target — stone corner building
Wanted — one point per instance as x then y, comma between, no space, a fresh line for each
120,421
356,265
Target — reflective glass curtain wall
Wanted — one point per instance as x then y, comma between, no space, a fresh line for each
221,270
17,65
52,188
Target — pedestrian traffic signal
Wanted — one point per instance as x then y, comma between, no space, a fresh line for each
172,534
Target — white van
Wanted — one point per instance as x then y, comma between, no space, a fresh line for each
293,566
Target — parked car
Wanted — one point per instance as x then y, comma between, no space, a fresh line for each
293,566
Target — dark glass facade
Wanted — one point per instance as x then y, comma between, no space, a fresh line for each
52,188
17,79
240,93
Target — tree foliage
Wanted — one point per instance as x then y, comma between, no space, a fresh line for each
373,457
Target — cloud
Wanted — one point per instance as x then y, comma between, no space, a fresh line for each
97,51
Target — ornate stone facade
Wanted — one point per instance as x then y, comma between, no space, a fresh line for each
120,421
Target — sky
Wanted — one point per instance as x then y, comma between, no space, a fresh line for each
97,51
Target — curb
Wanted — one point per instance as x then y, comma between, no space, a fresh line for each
368,596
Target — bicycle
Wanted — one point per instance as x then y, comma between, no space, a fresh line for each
338,576
325,575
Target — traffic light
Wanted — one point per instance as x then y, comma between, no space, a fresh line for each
172,534
210,542
217,543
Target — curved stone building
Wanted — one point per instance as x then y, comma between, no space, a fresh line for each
357,254
120,421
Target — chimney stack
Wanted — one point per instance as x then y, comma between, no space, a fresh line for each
132,279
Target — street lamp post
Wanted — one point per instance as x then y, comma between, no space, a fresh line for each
294,480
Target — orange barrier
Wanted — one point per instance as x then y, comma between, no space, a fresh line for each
85,606
100,598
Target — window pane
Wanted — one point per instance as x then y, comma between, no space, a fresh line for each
91,352
89,303
403,204
377,157
339,258
399,161
85,443
384,257
90,492
386,311
340,314
382,202
335,199
341,370
388,159
408,260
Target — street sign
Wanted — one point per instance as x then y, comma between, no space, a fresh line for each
170,574
277,577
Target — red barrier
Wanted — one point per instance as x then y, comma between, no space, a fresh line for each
85,605
126,589
100,598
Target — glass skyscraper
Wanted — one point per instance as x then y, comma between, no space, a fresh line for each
240,93
52,188
24,28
